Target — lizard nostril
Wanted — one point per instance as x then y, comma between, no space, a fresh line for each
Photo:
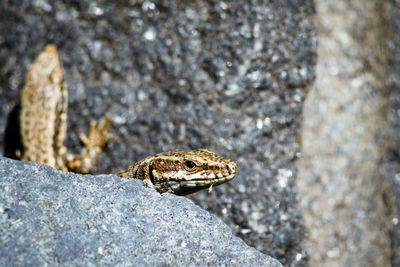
231,167
227,168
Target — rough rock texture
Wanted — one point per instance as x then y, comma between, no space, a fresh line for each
392,160
344,138
226,75
53,217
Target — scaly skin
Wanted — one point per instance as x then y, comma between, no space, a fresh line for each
43,118
182,172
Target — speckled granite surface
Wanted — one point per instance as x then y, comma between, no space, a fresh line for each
49,217
229,76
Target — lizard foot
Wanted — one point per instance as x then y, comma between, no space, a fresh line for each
98,133
95,141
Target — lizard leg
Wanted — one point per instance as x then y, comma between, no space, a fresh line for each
94,142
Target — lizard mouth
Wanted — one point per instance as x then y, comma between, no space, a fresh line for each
206,182
185,187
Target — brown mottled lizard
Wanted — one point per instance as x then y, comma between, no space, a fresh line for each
182,172
43,120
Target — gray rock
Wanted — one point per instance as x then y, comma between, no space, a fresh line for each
54,217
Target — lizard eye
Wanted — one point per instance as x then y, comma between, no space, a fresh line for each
189,165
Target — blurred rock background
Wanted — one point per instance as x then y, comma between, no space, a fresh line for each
344,197
229,76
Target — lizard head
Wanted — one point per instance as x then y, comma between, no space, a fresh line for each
186,171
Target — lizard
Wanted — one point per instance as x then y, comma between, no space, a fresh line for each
43,119
43,122
182,172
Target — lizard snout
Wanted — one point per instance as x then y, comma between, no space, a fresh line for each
231,167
